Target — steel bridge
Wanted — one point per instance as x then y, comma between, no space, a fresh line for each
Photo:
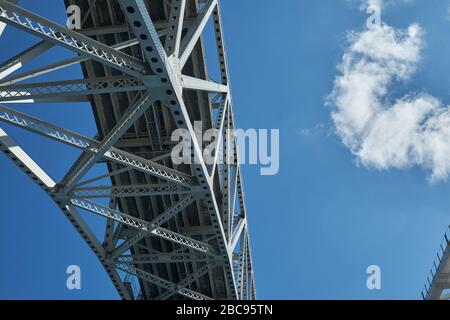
171,231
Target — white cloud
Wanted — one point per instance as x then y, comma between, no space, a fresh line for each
411,131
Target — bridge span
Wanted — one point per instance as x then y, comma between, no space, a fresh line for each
172,231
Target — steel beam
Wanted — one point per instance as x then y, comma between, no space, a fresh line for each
154,224
144,190
175,27
57,65
157,78
3,25
184,241
87,160
190,279
163,283
242,263
148,167
141,24
22,58
52,32
195,31
76,140
237,233
220,126
16,153
192,83
163,258
21,159
110,213
37,92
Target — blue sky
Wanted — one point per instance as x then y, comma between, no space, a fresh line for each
319,223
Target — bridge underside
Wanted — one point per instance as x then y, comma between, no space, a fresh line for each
171,231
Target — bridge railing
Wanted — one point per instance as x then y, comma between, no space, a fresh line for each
431,277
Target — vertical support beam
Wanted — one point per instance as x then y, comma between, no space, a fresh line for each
237,234
175,27
220,42
140,22
227,178
195,31
109,228
242,262
220,125
252,287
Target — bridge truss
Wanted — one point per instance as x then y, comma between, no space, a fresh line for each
171,231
